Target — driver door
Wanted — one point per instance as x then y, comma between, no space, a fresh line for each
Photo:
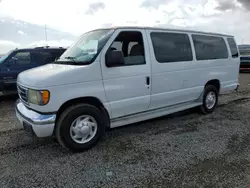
16,64
127,86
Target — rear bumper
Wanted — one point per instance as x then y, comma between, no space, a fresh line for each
38,124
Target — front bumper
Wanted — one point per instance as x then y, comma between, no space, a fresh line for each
42,125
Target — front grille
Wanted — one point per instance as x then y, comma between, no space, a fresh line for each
23,93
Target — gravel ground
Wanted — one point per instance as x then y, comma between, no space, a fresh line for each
181,150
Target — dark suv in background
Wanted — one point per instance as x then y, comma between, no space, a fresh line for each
244,58
19,60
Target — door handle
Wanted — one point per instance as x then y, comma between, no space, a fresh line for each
147,80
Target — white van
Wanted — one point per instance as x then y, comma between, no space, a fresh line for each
118,76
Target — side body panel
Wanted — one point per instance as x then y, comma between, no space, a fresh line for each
179,82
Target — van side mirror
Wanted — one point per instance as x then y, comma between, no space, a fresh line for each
114,58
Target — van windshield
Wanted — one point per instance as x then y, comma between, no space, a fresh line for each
86,48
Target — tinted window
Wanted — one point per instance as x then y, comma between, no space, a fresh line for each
130,43
56,54
233,47
171,47
22,58
46,57
209,47
49,56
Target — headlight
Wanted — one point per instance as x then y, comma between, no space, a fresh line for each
38,97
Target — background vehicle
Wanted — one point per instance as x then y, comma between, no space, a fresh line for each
118,76
19,60
244,58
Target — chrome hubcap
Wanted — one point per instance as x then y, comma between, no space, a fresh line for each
210,100
83,129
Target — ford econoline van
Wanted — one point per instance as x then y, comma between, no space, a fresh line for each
118,76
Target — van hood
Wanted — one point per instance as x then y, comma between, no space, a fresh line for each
53,75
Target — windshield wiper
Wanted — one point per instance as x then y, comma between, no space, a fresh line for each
60,61
72,62
71,58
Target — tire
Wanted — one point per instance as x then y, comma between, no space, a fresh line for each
205,108
67,122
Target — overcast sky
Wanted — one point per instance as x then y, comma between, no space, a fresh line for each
79,16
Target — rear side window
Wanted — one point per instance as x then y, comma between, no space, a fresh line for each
46,57
49,56
233,47
171,47
209,47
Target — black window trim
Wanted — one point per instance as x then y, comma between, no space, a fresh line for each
170,32
127,65
198,34
238,53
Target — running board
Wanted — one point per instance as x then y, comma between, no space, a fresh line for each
117,122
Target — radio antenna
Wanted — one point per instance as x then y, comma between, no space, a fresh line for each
45,29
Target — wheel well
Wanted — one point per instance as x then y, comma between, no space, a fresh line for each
215,83
87,100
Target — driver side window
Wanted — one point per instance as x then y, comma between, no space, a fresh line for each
22,58
130,43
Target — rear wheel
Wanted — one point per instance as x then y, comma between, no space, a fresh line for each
210,99
80,127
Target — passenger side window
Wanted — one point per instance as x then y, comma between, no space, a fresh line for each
171,47
130,43
209,47
233,47
22,58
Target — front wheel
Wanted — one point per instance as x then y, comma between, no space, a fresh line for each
80,127
210,99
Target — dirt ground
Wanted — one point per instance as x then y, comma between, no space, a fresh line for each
186,149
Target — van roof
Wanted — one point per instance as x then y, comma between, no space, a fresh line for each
168,29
